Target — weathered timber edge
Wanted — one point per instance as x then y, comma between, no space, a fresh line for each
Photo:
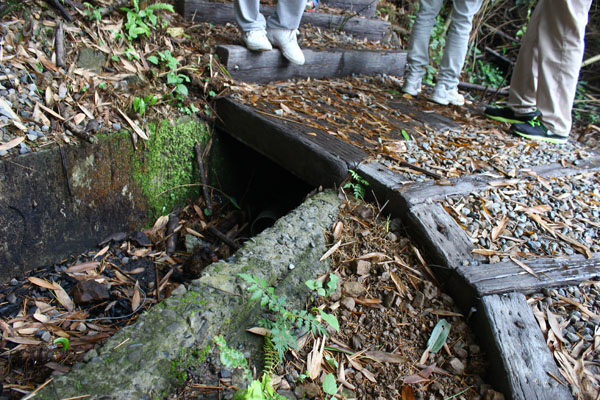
365,8
55,204
318,160
519,359
508,276
137,361
222,13
268,66
420,192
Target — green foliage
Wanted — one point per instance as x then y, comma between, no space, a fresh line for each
438,336
271,357
231,358
63,341
139,21
284,320
358,185
188,358
259,390
586,110
317,285
92,13
140,103
329,385
437,42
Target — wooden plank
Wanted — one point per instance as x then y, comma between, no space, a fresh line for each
503,277
267,66
221,13
366,8
420,192
519,359
322,159
444,241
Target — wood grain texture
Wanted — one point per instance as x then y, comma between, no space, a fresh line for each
221,13
446,242
319,160
507,276
519,359
365,8
420,192
267,66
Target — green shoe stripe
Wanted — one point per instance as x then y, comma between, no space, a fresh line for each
502,119
554,140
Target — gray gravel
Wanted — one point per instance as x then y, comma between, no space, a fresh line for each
568,206
19,90
579,326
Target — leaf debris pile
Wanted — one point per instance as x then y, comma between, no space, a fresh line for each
87,299
371,114
387,307
532,216
570,320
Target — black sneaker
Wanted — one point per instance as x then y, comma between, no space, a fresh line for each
506,114
535,130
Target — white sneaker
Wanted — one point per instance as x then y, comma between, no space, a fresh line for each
445,96
286,40
256,40
411,86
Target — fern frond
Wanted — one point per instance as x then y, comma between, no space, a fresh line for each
271,356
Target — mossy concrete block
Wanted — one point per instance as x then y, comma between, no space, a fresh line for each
47,215
138,361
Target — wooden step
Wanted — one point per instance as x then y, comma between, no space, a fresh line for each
262,67
221,13
520,363
365,8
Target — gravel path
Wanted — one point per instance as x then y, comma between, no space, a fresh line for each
533,216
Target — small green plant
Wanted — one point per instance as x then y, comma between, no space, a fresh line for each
317,285
139,21
358,185
285,320
329,385
175,79
259,389
436,48
141,103
93,13
188,358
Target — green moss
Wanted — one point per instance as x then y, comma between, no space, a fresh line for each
168,175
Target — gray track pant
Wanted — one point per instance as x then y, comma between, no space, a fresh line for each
545,75
456,41
288,14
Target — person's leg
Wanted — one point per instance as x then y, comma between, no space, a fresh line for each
523,84
248,16
418,46
288,14
561,46
457,41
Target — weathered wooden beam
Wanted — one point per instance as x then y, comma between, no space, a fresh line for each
418,193
267,66
520,362
221,13
317,158
366,8
503,277
446,242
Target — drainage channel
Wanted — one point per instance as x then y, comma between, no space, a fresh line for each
138,361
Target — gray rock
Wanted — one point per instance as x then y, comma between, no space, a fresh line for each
348,303
353,288
457,366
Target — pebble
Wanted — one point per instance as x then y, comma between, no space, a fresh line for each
457,366
354,289
348,303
